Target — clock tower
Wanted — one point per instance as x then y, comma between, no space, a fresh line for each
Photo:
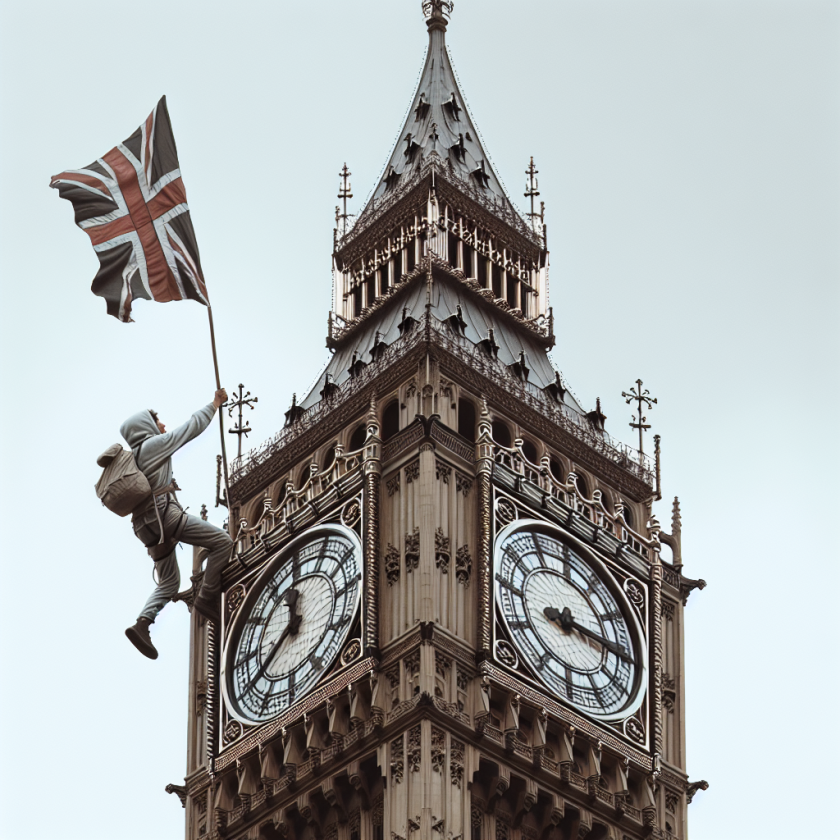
450,615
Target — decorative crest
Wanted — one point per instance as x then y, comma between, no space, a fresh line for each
645,402
238,402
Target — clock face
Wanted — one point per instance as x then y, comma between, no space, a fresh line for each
293,623
569,621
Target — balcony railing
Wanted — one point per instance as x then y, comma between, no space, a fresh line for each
275,520
568,492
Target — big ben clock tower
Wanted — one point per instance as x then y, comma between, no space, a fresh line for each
448,616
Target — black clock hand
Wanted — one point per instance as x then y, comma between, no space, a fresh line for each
292,596
290,629
567,622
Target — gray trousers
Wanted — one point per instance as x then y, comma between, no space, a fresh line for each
194,531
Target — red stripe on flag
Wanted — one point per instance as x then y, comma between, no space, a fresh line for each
105,232
170,196
201,287
161,281
90,180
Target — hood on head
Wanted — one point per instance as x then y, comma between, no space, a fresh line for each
139,427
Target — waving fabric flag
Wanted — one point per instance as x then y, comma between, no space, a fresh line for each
132,204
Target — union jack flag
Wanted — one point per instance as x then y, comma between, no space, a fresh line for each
132,204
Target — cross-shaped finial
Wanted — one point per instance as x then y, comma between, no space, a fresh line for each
532,191
345,191
239,429
645,401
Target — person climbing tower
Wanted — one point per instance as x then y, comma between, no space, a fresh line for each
161,523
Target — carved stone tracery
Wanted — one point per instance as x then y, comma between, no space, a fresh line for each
412,550
392,564
669,693
441,551
397,759
438,749
414,749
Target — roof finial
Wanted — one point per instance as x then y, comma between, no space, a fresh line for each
437,13
645,402
532,191
345,191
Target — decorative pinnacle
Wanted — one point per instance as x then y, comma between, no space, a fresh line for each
238,401
437,13
676,517
532,191
645,401
371,415
345,191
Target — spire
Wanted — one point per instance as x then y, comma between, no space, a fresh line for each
439,126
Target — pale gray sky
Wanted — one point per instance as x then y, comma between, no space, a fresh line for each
688,157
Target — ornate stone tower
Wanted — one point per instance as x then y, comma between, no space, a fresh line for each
448,617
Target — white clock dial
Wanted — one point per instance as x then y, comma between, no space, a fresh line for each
569,621
293,623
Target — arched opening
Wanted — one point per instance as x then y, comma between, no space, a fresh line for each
391,420
582,487
303,477
468,260
497,279
501,433
556,469
329,457
628,517
357,439
466,419
529,450
452,249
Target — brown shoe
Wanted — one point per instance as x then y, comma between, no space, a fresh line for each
207,607
139,636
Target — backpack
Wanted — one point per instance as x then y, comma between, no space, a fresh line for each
122,487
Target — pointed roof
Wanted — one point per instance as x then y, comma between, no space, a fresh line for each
438,127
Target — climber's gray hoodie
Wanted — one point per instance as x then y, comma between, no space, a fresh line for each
155,456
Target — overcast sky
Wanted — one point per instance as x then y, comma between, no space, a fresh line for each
688,157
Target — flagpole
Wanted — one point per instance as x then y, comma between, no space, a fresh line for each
221,418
